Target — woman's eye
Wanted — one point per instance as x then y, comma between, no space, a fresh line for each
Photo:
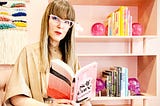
55,18
67,22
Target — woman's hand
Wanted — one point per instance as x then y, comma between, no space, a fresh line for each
63,102
86,103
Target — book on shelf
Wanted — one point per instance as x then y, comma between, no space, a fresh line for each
119,22
107,74
122,18
65,84
108,24
122,81
116,81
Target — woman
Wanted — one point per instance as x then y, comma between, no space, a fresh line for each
28,82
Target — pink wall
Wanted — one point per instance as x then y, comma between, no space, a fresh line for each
35,9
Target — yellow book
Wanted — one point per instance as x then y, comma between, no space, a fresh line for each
122,9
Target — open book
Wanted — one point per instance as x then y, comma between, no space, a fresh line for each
64,84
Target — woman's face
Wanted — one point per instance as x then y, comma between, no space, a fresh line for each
58,27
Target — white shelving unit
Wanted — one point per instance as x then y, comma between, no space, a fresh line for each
138,53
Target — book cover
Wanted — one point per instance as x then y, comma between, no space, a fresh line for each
117,23
126,14
108,25
122,81
108,83
119,78
64,84
122,11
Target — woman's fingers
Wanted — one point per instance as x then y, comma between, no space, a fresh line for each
63,101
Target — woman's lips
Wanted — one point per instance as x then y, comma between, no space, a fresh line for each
58,33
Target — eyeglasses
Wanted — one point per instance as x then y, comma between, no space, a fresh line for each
58,19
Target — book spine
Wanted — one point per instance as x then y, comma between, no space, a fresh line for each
113,84
120,81
122,8
109,26
126,14
126,81
130,26
72,95
113,24
109,83
123,82
119,78
117,23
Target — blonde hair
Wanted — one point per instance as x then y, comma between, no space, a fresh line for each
62,9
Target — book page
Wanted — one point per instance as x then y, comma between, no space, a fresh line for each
60,79
61,86
85,83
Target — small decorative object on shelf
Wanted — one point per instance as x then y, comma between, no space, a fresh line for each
100,85
136,29
134,86
98,29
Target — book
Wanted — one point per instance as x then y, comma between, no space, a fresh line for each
64,84
122,81
108,82
117,23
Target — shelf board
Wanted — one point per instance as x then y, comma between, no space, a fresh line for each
120,98
104,98
107,2
107,54
90,38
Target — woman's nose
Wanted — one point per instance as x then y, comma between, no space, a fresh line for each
60,24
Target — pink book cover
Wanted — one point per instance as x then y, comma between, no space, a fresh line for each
64,84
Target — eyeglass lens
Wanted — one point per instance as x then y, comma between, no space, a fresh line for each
66,22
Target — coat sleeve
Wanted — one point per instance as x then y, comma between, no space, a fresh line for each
18,82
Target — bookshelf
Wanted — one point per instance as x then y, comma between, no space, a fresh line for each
137,53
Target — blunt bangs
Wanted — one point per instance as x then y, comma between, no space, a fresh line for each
62,9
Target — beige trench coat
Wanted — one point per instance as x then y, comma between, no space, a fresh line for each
26,77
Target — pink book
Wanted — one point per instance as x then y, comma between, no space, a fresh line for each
64,84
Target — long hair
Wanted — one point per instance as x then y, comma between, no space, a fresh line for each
62,9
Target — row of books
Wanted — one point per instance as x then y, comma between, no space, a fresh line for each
119,22
116,82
